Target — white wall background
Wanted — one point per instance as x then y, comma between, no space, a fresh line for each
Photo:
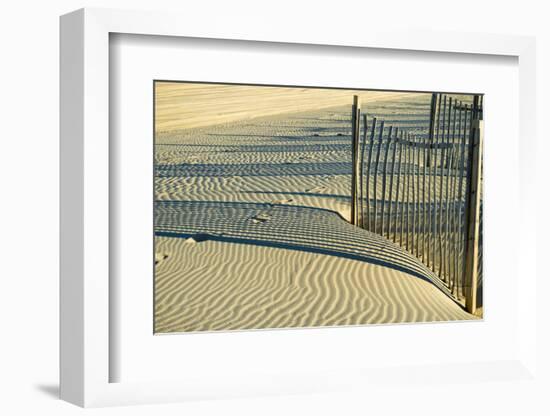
29,194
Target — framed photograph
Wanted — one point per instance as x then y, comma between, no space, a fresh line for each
279,212
293,207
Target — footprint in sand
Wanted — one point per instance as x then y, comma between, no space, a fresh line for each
316,189
260,218
160,257
281,201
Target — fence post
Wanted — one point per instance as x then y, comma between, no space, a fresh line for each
472,225
433,107
362,146
355,120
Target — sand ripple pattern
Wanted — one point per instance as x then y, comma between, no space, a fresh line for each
250,230
281,226
215,285
299,267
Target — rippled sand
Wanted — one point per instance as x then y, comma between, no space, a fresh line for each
251,232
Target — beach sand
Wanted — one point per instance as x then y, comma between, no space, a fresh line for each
184,105
251,209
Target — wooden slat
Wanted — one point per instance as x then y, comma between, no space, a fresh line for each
431,129
424,165
453,218
430,258
392,173
452,226
384,178
418,200
441,202
369,164
431,158
408,177
465,180
355,117
362,173
448,161
376,165
459,232
414,243
444,152
474,199
400,200
434,190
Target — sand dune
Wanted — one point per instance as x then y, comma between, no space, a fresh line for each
264,201
186,105
221,286
283,226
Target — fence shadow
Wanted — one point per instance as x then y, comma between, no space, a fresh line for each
289,227
252,169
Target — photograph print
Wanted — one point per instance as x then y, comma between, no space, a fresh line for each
303,207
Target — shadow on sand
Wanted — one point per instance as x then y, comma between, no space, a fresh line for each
288,227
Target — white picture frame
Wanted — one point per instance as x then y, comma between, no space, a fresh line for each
85,220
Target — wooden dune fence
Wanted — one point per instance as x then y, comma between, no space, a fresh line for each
422,191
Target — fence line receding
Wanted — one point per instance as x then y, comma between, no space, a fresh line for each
422,191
